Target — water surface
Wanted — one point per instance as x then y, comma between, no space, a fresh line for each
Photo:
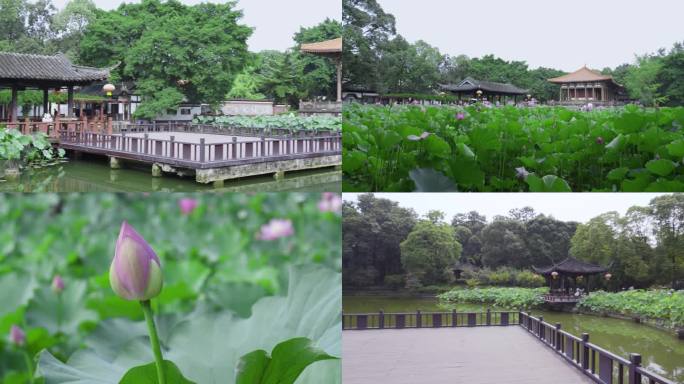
95,175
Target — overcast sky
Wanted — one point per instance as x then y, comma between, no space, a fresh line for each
579,207
561,34
275,21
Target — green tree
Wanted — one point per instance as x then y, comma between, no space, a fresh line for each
671,77
170,49
503,244
668,218
319,74
641,80
429,252
70,24
367,28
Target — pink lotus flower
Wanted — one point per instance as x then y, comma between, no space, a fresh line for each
330,202
275,229
57,284
135,273
460,116
422,136
187,205
17,336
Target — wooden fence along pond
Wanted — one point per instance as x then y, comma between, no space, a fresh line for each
221,153
598,364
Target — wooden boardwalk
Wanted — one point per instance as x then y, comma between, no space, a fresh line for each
481,355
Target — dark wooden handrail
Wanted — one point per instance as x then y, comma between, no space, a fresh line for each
419,319
601,365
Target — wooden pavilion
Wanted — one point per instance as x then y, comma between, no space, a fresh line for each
485,90
588,86
566,277
20,71
331,49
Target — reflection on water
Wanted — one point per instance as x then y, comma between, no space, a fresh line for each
96,176
661,351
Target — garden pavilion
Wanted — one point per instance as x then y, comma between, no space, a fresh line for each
486,90
331,49
20,71
566,277
586,85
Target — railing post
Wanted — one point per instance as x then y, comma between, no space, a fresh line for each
171,146
381,319
585,351
419,321
540,328
558,336
202,150
235,148
634,362
453,317
489,317
147,137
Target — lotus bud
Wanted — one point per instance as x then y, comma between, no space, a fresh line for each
17,336
135,273
57,284
275,229
460,116
600,141
187,205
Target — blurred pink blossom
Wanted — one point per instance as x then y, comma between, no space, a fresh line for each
57,284
275,229
460,116
330,202
17,336
187,205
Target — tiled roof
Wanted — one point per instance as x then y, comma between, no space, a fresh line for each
583,74
328,46
470,84
572,266
21,66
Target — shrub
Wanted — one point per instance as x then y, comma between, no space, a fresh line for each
507,298
395,281
656,304
529,279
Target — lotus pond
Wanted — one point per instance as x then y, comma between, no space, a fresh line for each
536,149
251,285
662,352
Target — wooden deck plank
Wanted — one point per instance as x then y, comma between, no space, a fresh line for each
452,355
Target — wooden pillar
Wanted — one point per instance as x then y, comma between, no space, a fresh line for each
585,92
13,106
339,79
46,108
70,101
560,94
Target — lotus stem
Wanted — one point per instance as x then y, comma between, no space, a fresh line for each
154,340
29,366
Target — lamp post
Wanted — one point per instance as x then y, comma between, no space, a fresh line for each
479,94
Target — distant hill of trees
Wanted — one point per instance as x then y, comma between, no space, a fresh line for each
377,57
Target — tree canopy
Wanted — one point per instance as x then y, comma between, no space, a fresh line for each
173,52
387,245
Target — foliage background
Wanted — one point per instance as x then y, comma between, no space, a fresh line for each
214,268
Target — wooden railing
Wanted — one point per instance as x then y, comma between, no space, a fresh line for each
600,365
561,298
202,153
218,129
418,319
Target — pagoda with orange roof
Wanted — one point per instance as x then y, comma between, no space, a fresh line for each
588,86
